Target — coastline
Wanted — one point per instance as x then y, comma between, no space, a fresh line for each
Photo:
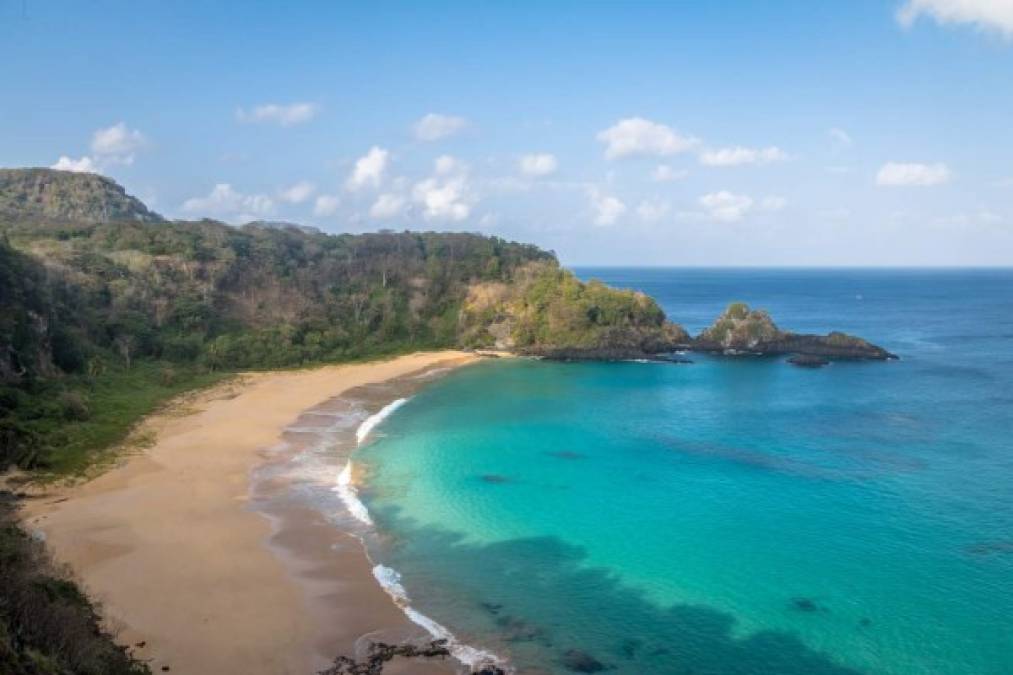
196,567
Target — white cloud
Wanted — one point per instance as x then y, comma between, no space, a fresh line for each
540,164
738,156
446,164
663,173
726,206
83,165
446,195
840,137
224,201
434,126
773,203
636,136
894,174
326,205
118,142
369,168
298,193
607,208
652,210
387,205
286,115
994,15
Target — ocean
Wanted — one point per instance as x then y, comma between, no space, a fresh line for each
731,515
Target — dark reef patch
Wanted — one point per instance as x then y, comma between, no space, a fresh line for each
494,478
565,454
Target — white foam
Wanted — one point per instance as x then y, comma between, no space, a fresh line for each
390,580
370,422
350,496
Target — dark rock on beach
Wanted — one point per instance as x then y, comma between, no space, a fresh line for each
581,662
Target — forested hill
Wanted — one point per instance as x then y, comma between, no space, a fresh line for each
62,196
84,301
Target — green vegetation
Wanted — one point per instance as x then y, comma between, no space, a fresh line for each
102,319
47,626
46,195
548,311
741,328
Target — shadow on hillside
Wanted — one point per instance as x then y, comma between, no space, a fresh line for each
569,606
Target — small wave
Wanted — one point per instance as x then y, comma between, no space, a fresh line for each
390,580
350,496
370,422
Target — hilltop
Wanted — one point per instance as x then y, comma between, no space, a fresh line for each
31,195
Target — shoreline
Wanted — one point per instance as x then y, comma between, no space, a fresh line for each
192,571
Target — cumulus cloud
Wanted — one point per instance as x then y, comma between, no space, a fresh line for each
989,15
326,205
726,206
369,169
738,155
663,173
298,193
635,136
446,164
652,210
113,145
285,115
447,195
117,143
227,202
82,165
893,174
607,208
433,127
387,205
539,164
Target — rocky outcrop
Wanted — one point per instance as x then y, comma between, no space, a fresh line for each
621,344
740,330
47,195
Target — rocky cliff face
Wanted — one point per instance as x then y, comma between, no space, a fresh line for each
67,197
740,330
545,310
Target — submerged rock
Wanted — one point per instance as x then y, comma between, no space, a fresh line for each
581,662
566,454
805,605
494,478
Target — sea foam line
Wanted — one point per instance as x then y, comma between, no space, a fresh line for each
345,486
390,580
370,422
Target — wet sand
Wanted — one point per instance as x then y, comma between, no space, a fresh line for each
169,544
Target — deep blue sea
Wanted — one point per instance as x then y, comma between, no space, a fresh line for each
729,516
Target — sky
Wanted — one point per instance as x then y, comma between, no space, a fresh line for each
792,132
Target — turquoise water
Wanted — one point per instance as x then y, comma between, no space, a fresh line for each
726,516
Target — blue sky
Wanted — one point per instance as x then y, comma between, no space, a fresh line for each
866,132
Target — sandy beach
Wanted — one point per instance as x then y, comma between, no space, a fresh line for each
193,578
